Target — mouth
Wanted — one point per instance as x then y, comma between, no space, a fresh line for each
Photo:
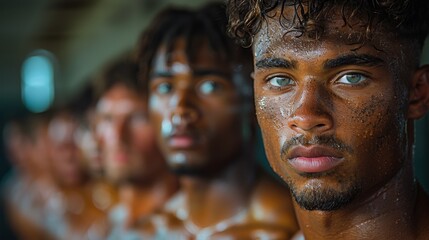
314,159
121,157
182,140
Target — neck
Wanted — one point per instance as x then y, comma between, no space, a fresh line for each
374,217
144,198
227,193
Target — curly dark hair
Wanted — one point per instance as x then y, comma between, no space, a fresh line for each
408,18
210,21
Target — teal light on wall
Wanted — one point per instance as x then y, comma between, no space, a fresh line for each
37,89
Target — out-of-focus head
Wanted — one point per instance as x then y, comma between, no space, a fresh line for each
127,139
199,89
35,127
17,143
64,159
85,138
337,84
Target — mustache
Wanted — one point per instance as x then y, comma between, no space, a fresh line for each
169,129
325,140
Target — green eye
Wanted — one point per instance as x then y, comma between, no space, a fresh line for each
164,88
279,81
208,87
353,78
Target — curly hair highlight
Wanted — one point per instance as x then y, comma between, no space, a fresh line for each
406,17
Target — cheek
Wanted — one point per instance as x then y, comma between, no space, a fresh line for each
144,137
375,119
158,112
273,112
376,131
272,117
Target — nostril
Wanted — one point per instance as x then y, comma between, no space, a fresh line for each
183,117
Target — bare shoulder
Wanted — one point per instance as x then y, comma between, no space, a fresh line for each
271,202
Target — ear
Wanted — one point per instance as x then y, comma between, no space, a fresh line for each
419,93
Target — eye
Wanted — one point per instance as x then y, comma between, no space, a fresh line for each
164,88
352,79
208,87
280,81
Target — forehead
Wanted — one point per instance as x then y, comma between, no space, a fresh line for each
120,97
336,35
195,51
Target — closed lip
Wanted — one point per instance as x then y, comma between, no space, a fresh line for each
314,159
183,139
121,156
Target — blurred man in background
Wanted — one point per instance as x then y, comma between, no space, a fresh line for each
131,158
200,100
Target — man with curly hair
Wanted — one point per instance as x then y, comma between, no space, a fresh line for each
338,86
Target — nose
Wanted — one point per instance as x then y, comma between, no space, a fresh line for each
311,112
120,132
185,107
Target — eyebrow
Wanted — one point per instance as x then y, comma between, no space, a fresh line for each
202,72
353,59
267,63
160,74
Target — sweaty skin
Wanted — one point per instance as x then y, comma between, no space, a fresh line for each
128,143
132,159
200,119
334,118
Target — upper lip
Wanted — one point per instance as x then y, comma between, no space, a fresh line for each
183,132
312,151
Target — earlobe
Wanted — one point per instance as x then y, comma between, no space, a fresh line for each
419,93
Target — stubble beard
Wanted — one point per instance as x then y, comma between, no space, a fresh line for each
317,197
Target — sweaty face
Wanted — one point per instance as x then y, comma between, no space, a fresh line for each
196,109
64,161
128,146
332,113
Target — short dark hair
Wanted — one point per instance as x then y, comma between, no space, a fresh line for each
209,21
122,71
408,18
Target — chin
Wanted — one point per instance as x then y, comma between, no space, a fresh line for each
319,196
186,170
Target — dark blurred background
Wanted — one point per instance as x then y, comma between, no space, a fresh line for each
78,37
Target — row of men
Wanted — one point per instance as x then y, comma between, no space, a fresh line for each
337,87
101,168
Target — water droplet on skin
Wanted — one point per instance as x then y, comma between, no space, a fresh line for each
262,103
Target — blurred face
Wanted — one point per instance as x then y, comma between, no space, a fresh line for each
128,146
17,145
196,109
64,156
89,149
38,151
332,113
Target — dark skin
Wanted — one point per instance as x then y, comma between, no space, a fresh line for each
336,118
199,116
132,159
